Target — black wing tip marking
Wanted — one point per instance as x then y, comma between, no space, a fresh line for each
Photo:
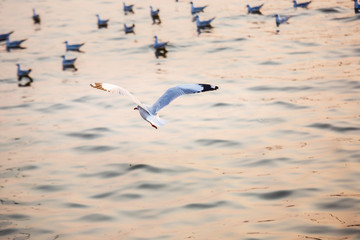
208,87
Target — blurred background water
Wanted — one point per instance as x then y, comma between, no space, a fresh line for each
273,154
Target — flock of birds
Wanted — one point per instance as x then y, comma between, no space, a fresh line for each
148,113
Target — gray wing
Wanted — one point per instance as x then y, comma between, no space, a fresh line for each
175,92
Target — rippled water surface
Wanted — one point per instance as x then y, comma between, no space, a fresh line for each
273,154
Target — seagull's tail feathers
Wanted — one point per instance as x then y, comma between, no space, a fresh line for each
156,121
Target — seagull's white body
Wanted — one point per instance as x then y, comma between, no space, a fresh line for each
68,62
255,9
13,44
4,36
301,5
36,17
159,45
203,24
129,29
195,10
102,22
73,47
23,73
149,113
281,19
128,8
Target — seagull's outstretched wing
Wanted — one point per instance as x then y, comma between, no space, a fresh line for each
177,91
116,89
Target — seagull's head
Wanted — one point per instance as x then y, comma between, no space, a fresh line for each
276,15
18,65
66,42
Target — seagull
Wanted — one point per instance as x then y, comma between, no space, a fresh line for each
73,47
302,5
280,19
68,63
149,113
155,15
195,10
102,22
129,29
13,44
159,45
356,6
36,17
4,36
203,24
128,8
23,73
254,10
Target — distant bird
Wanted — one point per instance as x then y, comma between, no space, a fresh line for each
195,10
280,19
159,45
128,8
4,36
254,10
73,47
13,44
301,5
68,63
356,6
129,29
149,113
102,23
23,73
203,24
36,17
155,15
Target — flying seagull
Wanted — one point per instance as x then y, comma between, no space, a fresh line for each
149,113
280,19
36,17
195,10
155,15
102,22
73,47
254,10
23,73
302,5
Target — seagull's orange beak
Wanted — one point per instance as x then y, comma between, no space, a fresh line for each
135,108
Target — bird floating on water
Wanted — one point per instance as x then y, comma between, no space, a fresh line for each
102,23
149,113
356,6
301,5
129,29
203,24
280,19
155,15
159,45
4,36
73,47
128,8
255,9
195,10
36,17
68,63
13,44
23,73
